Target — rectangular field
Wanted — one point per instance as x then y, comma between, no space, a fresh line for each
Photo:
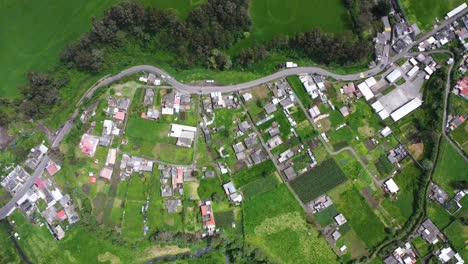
450,167
424,12
318,181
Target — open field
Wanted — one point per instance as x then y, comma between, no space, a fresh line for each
361,218
460,134
8,253
318,181
260,186
274,17
457,233
402,207
275,222
424,12
254,173
450,167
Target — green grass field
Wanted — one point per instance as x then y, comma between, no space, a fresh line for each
8,253
273,17
424,12
457,233
460,134
318,181
275,223
34,33
450,167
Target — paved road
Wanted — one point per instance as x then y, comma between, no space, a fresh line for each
29,183
208,89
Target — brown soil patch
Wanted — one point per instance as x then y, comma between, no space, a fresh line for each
158,251
109,257
259,92
86,188
366,192
366,131
416,150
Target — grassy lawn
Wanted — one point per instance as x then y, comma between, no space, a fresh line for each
275,222
457,233
460,134
418,11
450,167
274,17
421,246
402,207
361,218
4,197
318,181
438,215
325,217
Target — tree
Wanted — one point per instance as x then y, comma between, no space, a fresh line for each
382,8
427,165
459,185
217,197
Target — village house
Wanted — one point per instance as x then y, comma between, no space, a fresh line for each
111,157
173,205
397,154
390,186
290,173
320,203
257,156
244,126
184,134
52,168
247,97
430,232
436,193
456,122
208,217
445,255
270,108
88,144
106,172
238,147
152,113
344,111
251,140
401,255
285,155
149,97
231,193
274,142
35,156
340,220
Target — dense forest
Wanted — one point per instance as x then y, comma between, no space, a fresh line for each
200,40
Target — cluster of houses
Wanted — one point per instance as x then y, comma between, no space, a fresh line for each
216,100
43,196
172,180
175,102
248,150
432,236
442,197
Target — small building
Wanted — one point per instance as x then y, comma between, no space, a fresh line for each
251,140
394,75
344,111
391,186
120,116
149,97
340,219
274,142
314,111
386,131
397,154
335,235
106,172
446,254
238,147
52,168
184,134
290,173
61,215
366,91
231,193
123,104
111,156
270,108
244,126
208,217
153,113
438,194
290,64
88,144
258,156
173,205
247,97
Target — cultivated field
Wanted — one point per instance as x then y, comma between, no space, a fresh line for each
424,12
318,181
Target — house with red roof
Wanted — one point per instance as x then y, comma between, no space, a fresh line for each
462,87
92,179
39,184
88,144
120,115
52,168
208,217
106,172
61,215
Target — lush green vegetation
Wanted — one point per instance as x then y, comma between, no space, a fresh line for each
271,18
265,169
318,181
460,134
8,253
457,233
275,222
424,12
260,186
